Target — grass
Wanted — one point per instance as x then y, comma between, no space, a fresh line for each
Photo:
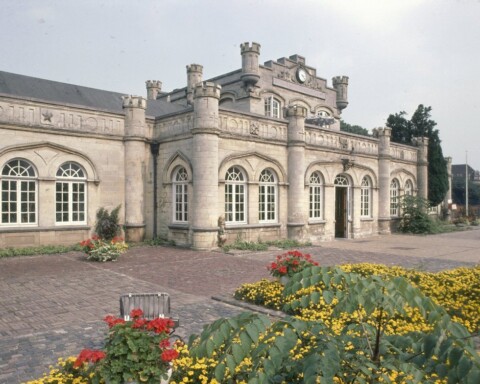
264,245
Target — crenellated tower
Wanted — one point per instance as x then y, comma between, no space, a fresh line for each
205,165
340,83
422,166
154,87
250,68
194,77
135,157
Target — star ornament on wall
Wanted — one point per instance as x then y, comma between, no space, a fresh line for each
47,116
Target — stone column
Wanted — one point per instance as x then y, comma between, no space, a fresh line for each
422,166
384,180
448,197
135,152
205,162
194,77
296,172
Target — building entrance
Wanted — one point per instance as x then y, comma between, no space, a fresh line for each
342,203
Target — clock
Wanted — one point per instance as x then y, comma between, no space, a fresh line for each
301,75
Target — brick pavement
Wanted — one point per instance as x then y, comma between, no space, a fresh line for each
52,305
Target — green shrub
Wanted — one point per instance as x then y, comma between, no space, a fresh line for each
415,218
41,250
107,226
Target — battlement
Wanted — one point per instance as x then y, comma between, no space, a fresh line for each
194,68
296,111
246,47
340,80
208,89
134,102
297,59
153,84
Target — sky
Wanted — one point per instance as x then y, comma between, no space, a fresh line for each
397,53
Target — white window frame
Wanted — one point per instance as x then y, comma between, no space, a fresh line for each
180,195
315,202
394,198
272,107
267,197
70,195
18,181
235,196
343,182
366,197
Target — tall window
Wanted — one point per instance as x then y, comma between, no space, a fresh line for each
272,107
365,197
409,188
18,194
70,193
315,206
235,191
267,204
394,196
180,192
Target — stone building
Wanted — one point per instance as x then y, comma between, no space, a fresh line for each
255,154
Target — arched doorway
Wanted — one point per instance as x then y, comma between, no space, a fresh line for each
342,206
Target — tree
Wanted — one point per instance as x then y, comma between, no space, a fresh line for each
358,130
421,125
107,226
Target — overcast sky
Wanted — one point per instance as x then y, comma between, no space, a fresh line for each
398,54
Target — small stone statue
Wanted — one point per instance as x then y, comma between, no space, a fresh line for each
222,237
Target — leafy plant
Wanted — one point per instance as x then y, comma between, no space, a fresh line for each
252,348
289,263
41,250
107,226
98,249
137,349
415,218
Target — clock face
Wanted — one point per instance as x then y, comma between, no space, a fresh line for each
301,75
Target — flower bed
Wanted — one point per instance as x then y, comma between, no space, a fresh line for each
98,249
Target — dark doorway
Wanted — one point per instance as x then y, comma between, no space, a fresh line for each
341,211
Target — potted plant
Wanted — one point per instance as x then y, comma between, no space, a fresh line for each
289,263
98,249
136,351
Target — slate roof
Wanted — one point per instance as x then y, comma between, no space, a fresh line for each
56,92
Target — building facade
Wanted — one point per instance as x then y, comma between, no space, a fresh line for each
254,154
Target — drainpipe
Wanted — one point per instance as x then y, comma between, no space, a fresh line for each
154,148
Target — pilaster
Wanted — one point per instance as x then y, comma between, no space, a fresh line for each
384,180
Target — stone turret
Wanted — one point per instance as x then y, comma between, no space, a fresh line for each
205,165
422,166
250,68
194,77
134,147
384,180
153,88
340,83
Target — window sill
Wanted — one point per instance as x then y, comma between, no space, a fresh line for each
45,229
314,222
366,219
259,225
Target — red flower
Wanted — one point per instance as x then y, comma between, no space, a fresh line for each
282,270
135,313
112,320
160,325
139,323
169,355
88,355
165,343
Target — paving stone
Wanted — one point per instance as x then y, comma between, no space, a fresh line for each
53,305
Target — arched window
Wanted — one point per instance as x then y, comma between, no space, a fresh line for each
180,193
272,107
267,197
18,194
409,188
394,196
70,195
366,197
315,196
235,196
